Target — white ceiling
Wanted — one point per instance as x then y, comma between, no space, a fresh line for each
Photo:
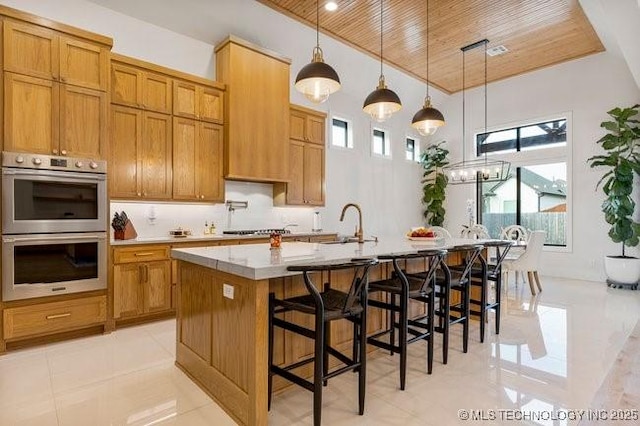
617,22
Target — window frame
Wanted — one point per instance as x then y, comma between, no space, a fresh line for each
518,139
349,133
387,137
552,154
416,148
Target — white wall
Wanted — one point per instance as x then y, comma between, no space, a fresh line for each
389,191
584,88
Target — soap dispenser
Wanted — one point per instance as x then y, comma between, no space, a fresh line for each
317,222
206,229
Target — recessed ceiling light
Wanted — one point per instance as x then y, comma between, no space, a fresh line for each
331,6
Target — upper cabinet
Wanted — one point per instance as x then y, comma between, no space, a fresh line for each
167,134
198,102
55,82
142,89
306,160
256,111
41,52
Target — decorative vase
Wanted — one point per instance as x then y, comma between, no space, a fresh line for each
622,270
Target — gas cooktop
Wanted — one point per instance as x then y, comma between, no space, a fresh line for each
268,231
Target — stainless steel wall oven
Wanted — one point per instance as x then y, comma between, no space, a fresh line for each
54,238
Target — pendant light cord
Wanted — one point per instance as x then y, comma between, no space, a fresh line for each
464,54
427,49
317,23
485,101
381,44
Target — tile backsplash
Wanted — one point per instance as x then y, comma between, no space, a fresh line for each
155,219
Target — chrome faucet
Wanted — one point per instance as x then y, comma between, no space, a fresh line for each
359,233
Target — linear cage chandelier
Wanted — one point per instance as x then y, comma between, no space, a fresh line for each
479,169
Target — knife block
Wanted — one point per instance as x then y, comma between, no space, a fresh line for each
128,233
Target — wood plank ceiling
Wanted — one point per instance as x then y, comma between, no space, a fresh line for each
536,33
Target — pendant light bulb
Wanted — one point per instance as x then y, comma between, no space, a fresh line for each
317,80
428,120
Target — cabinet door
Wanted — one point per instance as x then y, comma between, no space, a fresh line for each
31,114
155,157
83,64
185,136
127,290
30,50
184,99
209,180
210,103
297,125
315,129
156,284
83,122
295,188
126,85
125,180
157,93
314,174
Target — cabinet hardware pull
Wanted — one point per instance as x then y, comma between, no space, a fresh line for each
66,314
63,152
55,151
146,253
139,194
146,273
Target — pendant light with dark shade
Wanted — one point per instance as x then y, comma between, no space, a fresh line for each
317,80
382,103
428,119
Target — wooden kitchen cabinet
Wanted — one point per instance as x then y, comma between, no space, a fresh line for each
45,117
256,111
197,160
306,161
198,102
142,283
141,154
44,53
138,88
55,78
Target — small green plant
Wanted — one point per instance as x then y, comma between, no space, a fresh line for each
434,183
622,144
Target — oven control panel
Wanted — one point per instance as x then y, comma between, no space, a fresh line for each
49,162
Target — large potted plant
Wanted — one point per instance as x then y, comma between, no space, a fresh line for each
434,183
622,159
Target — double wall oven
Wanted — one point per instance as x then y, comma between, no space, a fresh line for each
54,225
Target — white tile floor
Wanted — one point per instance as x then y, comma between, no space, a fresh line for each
553,353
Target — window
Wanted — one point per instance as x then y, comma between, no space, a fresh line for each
381,143
525,138
341,134
412,149
536,194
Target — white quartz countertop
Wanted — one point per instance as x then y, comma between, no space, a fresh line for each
258,261
219,237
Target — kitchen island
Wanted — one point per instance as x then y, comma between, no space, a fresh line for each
222,313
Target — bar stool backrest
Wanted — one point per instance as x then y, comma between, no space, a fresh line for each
502,249
471,253
435,257
358,283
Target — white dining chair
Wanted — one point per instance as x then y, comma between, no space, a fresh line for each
515,233
528,261
475,231
441,232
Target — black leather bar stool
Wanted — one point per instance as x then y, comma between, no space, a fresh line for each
455,281
326,306
400,289
481,273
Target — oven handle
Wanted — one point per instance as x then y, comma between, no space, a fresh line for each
53,238
27,172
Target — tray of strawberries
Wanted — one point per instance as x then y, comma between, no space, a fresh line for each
423,234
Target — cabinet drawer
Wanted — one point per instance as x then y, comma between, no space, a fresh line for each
53,317
140,254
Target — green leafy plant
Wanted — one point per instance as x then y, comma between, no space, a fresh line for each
622,144
434,183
